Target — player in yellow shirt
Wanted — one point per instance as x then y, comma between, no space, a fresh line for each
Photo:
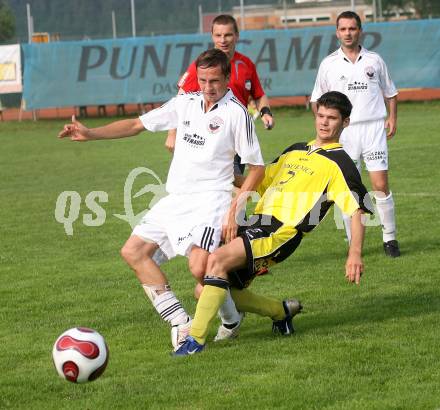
299,188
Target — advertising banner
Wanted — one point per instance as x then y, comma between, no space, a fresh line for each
143,70
10,69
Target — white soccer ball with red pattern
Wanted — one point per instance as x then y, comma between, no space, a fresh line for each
80,355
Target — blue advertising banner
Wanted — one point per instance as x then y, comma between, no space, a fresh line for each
140,70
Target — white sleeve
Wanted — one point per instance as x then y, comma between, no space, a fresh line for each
246,141
386,84
162,118
320,85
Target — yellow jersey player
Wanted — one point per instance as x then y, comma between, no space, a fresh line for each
298,189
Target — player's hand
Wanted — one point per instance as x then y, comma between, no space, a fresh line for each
268,121
354,268
390,126
75,131
229,227
170,142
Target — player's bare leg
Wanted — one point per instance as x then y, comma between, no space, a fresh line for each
139,256
385,209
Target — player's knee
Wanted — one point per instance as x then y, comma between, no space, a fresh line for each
129,255
198,290
215,265
198,270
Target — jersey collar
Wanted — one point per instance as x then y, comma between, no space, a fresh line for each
345,58
220,102
326,147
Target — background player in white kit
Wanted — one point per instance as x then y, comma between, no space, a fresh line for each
363,76
212,126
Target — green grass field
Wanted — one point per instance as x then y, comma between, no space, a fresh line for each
375,346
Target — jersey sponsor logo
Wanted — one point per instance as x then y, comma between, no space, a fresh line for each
370,72
299,167
194,140
215,124
248,85
357,86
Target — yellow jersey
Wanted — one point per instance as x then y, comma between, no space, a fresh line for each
302,184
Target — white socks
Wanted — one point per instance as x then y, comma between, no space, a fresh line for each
228,312
385,209
170,309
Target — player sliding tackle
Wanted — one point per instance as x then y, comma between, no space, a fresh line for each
298,189
212,126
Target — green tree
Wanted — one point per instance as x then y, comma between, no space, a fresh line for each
7,22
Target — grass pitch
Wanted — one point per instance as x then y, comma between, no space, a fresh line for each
369,347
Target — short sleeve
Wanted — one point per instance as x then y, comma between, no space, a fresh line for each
320,85
347,191
162,118
386,84
257,90
246,141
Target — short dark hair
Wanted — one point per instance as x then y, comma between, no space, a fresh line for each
225,19
349,15
213,58
337,101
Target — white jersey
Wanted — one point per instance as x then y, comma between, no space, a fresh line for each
365,82
205,142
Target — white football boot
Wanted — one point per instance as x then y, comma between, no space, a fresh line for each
223,333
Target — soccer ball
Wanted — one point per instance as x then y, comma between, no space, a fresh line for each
80,355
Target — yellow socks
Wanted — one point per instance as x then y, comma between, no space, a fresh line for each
211,298
246,301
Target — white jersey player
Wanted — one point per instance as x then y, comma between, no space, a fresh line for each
212,126
363,76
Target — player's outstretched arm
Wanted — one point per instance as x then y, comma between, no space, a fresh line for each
354,265
76,131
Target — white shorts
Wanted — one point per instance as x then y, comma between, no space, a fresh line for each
367,141
177,222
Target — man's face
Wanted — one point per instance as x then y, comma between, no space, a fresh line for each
213,83
348,33
329,125
224,38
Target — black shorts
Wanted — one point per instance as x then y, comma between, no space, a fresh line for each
267,242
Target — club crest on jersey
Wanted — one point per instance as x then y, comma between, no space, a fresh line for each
370,72
215,124
248,85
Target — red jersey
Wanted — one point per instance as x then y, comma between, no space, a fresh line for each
244,81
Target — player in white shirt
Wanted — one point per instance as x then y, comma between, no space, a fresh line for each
212,126
363,76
